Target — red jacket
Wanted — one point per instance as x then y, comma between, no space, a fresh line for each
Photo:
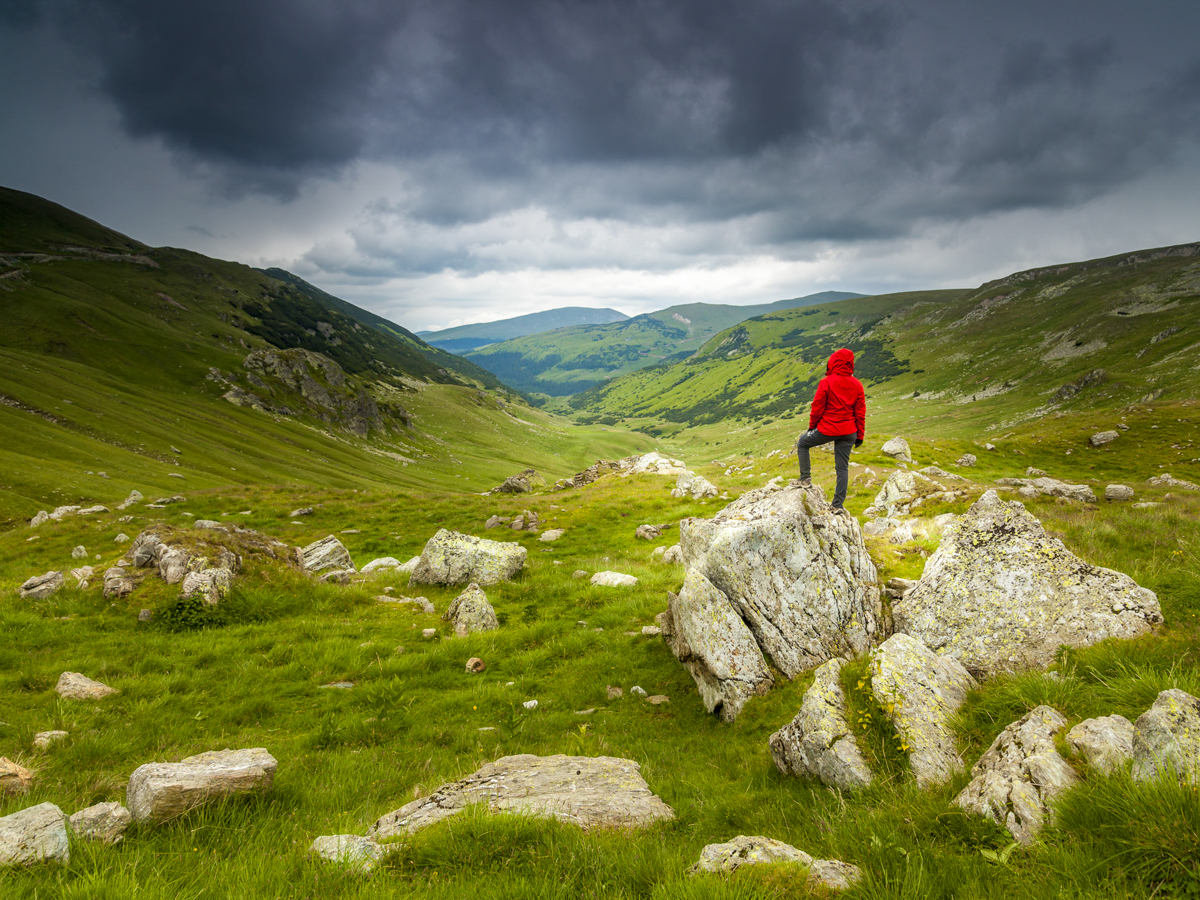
840,404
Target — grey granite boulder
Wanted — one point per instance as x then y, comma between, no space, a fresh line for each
614,579
521,483
327,553
104,822
1105,742
1118,492
134,497
1021,774
34,835
471,612
689,485
1100,438
74,686
453,558
1166,739
350,850
39,587
211,585
383,563
159,792
920,691
117,582
897,448
999,594
819,743
743,850
588,791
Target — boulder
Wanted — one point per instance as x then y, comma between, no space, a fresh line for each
966,460
521,483
61,512
73,686
1100,438
79,552
209,525
614,579
408,567
935,472
1118,492
213,585
1050,487
159,792
920,692
823,874
900,490
1166,739
34,835
796,577
653,463
1105,742
471,612
43,739
588,791
336,576
897,448
689,485
999,594
172,563
593,472
39,587
302,511
649,532
426,606
384,562
1020,776
350,850
552,534
672,554
41,518
104,822
453,558
495,521
819,743
327,553
92,510
14,779
117,583
1169,480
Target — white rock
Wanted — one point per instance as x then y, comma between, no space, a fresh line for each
897,448
121,538
104,822
653,463
1100,438
614,579
673,554
693,486
1105,742
989,446
426,606
530,704
134,497
966,460
327,553
1118,492
41,518
350,850
92,510
43,739
33,835
1170,480
41,586
552,534
1050,487
823,874
74,686
14,779
1166,739
409,566
79,552
384,562
453,558
159,792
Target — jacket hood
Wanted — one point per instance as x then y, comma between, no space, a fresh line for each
841,362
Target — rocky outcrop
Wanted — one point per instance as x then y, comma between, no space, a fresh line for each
689,485
1050,487
1166,739
1021,774
743,850
159,792
1169,480
920,692
521,483
453,558
596,470
350,850
471,612
211,585
34,835
73,686
819,743
39,587
999,594
118,583
652,463
104,822
588,791
966,460
1105,742
897,448
327,553
798,579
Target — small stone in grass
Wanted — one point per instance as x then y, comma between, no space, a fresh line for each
530,704
637,689
613,692
429,634
475,665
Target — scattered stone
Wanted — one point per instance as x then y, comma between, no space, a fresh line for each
41,518
966,460
429,634
63,511
999,594
1105,742
1021,775
650,532
1146,504
588,791
79,552
920,692
33,835
637,689
521,483
302,511
819,742
1118,492
552,535
673,555
14,779
658,699
349,850
338,685
693,486
652,463
1031,472
989,446
104,822
471,611
1050,487
495,521
39,587
593,472
1166,739
651,630
475,665
92,510
1170,480
175,475
384,562
43,739
579,573
935,472
453,558
823,874
134,497
1100,438
121,538
327,553
159,792
585,712
530,704
527,521
426,606
146,615
209,525
118,583
73,686
613,579
897,448
881,526
212,585
613,693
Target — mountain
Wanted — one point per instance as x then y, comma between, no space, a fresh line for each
569,360
470,337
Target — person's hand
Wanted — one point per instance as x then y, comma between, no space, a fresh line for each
858,443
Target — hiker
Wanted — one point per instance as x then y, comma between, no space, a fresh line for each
839,414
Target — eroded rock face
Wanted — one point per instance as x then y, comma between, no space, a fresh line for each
350,850
1105,742
588,791
471,612
598,469
743,850
104,822
327,553
453,558
920,691
1020,775
159,792
693,486
819,742
75,686
797,577
38,587
1166,739
34,835
999,594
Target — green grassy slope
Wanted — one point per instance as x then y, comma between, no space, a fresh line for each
568,360
470,337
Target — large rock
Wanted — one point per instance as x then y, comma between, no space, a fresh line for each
159,792
798,577
920,692
104,822
327,553
897,448
33,835
212,585
999,594
900,490
39,587
453,558
1021,774
1105,742
743,850
693,486
74,686
134,497
117,583
1100,438
819,742
14,779
1166,739
521,483
652,463
471,612
598,469
1118,492
350,850
588,791
649,532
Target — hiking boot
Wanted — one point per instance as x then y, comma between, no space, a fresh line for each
840,511
805,482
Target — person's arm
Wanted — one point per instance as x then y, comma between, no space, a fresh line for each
818,404
860,415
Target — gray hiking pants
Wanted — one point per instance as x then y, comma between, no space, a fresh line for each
842,445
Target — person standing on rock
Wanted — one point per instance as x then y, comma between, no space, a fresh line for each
839,414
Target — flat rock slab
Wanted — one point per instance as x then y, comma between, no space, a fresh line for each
75,686
819,743
38,587
1021,774
743,850
1105,742
453,558
34,835
999,594
104,822
1166,739
614,579
350,850
327,553
588,791
159,792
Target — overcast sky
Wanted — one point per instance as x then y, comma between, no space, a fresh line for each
447,162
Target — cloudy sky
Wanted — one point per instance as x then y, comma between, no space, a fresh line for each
444,161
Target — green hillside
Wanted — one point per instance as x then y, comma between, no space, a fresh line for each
470,337
569,360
